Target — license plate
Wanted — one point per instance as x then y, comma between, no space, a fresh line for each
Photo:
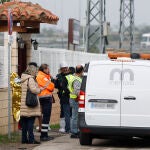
102,105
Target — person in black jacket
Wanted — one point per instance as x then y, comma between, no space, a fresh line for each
58,84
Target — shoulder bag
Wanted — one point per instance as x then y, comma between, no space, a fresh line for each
31,98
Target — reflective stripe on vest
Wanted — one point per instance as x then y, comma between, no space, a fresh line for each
71,78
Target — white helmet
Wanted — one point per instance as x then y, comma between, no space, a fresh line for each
63,64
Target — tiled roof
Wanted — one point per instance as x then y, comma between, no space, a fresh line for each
27,11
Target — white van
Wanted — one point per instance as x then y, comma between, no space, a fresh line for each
115,99
145,42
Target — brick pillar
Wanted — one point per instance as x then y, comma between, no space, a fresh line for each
27,38
14,68
14,49
14,52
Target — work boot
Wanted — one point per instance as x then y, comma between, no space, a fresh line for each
34,142
73,135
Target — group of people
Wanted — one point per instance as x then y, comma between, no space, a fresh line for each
68,83
40,82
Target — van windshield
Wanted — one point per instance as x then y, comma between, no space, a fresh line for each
144,39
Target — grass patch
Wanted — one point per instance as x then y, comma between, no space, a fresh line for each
15,137
55,126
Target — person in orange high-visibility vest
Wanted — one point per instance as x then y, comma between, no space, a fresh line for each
44,80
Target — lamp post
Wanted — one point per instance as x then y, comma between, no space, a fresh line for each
10,26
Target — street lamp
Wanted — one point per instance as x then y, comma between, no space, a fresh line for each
21,43
35,44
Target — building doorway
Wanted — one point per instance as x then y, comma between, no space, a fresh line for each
22,60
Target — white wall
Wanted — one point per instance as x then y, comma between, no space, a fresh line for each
53,57
3,67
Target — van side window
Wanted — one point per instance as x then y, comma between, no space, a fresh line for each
86,67
83,85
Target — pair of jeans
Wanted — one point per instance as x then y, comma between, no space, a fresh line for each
46,106
61,110
74,117
27,129
66,111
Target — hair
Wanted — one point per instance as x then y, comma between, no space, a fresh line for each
42,67
72,70
31,68
33,63
79,69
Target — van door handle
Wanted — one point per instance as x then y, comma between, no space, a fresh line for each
130,98
103,100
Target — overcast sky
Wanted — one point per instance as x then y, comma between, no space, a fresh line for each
65,9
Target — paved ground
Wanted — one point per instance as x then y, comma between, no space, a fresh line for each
65,143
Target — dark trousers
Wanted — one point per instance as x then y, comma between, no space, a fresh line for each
61,110
27,129
66,111
46,105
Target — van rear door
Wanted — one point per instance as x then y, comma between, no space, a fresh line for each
135,103
103,88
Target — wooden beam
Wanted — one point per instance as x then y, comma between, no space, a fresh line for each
33,30
22,23
20,29
32,24
15,29
2,23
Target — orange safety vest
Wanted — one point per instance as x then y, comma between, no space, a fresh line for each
42,79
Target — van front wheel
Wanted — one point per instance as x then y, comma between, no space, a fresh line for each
85,139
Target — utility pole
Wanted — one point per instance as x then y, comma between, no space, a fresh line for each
126,30
95,18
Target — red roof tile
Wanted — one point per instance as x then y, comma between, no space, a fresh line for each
27,11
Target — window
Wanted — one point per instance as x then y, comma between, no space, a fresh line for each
144,39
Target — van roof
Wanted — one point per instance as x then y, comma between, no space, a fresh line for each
136,62
146,34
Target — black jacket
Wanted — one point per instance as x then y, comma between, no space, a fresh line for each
61,84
